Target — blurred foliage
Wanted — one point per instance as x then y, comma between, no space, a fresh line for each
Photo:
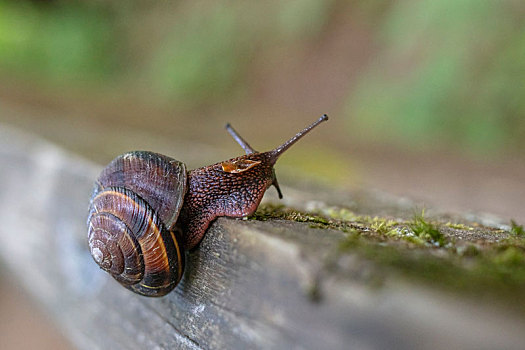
444,70
198,57
181,52
64,43
448,70
325,165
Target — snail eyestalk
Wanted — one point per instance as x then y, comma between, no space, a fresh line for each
245,146
276,185
276,153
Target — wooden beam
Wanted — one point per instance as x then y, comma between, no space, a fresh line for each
250,284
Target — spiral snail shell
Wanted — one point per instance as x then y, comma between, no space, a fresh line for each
147,209
135,204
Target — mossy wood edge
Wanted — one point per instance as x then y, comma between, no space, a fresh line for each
250,284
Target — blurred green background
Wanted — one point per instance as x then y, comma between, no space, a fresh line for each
425,73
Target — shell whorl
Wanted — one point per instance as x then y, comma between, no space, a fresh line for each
134,207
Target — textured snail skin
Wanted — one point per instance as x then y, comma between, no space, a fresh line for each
212,192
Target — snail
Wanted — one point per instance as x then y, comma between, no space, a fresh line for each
147,209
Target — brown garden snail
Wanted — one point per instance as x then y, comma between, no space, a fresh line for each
146,209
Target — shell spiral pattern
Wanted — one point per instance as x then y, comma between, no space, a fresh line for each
131,223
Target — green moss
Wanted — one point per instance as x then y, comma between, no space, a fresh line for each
511,256
383,226
495,271
268,211
468,251
419,250
516,229
342,214
426,230
407,235
417,231
459,226
280,212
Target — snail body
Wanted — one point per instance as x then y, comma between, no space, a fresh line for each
147,209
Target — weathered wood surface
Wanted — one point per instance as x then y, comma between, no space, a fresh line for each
248,285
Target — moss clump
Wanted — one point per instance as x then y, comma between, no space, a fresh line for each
456,226
426,230
417,231
407,235
341,214
516,229
268,211
383,226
